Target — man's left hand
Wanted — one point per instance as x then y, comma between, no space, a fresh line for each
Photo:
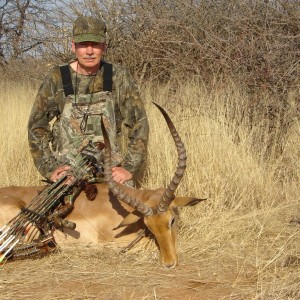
121,175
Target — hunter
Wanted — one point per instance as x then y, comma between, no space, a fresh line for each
74,96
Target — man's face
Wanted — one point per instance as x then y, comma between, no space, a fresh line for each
88,53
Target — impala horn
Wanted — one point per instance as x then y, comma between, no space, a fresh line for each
169,195
113,186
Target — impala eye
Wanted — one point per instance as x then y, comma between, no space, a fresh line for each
172,222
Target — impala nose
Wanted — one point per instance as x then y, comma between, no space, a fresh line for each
170,265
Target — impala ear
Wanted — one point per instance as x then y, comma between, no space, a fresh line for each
128,220
186,201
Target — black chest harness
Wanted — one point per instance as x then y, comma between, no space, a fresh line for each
67,80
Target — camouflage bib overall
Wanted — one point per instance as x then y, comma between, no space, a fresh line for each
79,128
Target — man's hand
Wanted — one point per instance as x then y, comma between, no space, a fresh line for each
121,175
60,172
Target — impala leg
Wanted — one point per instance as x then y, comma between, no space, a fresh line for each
140,235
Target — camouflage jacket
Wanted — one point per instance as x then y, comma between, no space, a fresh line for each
130,117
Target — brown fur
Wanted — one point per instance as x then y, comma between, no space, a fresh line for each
96,220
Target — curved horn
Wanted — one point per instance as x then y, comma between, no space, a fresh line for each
169,195
112,185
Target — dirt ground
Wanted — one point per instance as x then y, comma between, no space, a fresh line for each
81,272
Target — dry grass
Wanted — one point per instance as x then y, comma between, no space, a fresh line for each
16,163
239,244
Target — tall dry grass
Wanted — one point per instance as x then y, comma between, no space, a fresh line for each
15,104
241,236
252,190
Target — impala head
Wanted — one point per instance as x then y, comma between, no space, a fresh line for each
164,227
159,208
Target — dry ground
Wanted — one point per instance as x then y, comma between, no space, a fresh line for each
85,273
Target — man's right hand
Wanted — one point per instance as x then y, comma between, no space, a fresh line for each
60,172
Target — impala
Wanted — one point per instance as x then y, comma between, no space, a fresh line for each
119,214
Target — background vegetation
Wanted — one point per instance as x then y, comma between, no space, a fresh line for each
256,42
228,74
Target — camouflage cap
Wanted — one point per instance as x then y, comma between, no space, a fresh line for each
89,29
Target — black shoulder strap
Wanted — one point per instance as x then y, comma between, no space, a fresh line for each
107,77
66,80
